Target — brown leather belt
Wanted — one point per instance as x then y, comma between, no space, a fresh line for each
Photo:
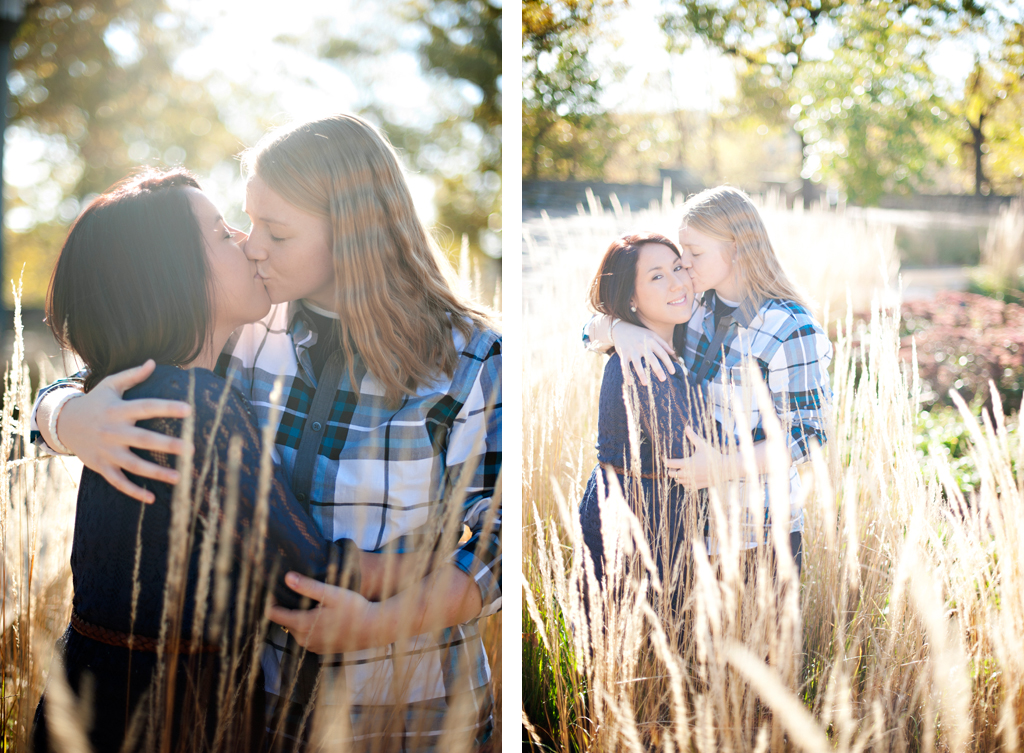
132,641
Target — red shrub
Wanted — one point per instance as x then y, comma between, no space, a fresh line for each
964,340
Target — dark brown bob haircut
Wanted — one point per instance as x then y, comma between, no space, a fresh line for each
615,281
131,281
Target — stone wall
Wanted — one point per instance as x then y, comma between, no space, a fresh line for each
564,195
946,203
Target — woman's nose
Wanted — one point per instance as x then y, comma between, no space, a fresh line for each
253,249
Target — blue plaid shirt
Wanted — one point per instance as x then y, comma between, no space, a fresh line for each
382,478
791,352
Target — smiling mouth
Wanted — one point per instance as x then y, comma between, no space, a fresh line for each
679,301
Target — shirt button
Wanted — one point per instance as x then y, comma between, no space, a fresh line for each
317,426
300,497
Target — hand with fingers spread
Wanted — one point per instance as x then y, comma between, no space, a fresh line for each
635,346
100,429
639,346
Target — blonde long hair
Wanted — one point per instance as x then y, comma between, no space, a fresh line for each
397,307
727,214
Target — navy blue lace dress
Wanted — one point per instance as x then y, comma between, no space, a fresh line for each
662,411
216,617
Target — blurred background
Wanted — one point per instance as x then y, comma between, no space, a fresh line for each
882,143
910,106
98,88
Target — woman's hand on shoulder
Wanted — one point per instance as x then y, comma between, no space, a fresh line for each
635,345
100,429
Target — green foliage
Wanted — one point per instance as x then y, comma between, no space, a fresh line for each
113,110
565,129
866,114
469,50
941,433
93,83
545,680
866,111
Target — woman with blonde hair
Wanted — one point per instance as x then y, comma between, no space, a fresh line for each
390,434
748,313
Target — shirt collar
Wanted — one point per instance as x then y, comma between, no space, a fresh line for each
743,315
294,309
304,336
298,312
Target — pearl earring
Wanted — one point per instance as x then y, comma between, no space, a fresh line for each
633,309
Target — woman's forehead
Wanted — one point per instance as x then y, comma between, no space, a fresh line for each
690,235
652,252
264,203
203,207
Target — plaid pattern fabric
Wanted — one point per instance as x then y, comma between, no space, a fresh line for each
791,352
382,478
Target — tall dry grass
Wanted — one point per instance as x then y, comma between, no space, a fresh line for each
37,507
903,630
1002,251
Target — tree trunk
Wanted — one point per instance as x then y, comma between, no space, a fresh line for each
977,141
806,185
542,129
712,150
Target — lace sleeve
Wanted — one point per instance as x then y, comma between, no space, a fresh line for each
292,541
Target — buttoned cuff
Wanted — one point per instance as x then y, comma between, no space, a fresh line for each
487,576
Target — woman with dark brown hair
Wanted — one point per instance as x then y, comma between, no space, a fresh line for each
641,280
390,436
168,596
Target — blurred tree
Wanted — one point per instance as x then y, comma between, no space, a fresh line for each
771,41
868,115
979,103
94,94
12,12
986,121
566,133
465,45
97,78
458,43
